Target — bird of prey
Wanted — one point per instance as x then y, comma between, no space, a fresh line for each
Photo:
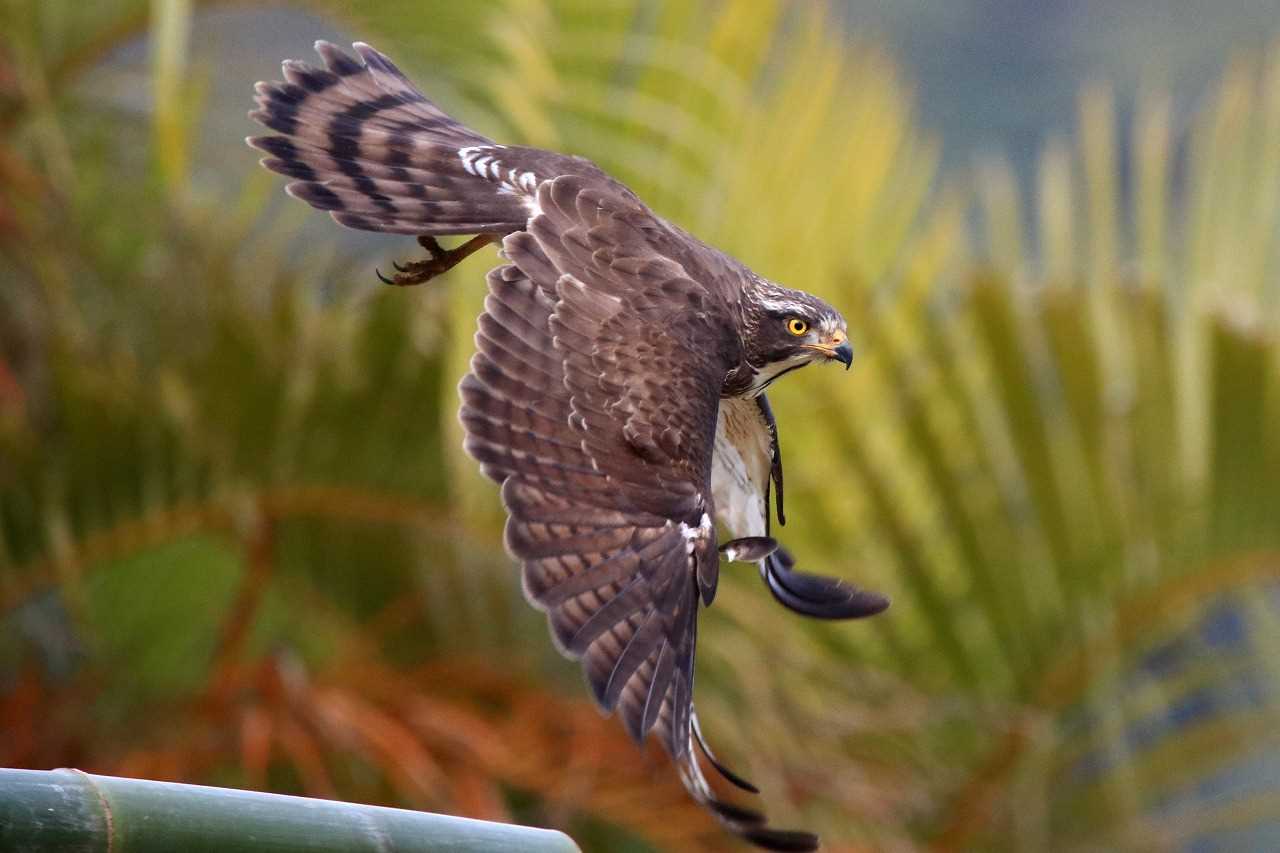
617,390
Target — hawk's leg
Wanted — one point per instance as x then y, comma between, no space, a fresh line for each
441,260
775,466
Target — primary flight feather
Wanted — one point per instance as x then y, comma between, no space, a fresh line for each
617,390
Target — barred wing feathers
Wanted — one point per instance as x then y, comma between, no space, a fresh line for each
593,399
362,142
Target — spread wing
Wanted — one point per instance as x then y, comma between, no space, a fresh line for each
363,143
593,399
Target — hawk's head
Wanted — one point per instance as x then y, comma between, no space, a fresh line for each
787,329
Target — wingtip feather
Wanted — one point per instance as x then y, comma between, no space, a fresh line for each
782,840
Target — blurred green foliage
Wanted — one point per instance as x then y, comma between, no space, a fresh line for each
239,542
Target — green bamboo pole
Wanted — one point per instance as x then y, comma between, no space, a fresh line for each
69,811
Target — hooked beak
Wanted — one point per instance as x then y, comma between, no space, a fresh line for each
843,353
837,348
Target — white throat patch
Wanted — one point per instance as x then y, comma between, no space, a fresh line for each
765,376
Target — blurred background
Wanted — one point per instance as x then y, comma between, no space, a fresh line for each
240,545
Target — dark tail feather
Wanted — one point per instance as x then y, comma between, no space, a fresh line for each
364,144
747,823
815,595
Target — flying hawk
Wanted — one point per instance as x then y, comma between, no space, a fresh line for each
617,391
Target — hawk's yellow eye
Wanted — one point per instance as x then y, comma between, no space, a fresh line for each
797,327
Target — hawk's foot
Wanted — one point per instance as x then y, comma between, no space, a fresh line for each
441,260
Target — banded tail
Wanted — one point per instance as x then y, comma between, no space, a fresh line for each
363,143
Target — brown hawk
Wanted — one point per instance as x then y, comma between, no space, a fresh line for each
617,391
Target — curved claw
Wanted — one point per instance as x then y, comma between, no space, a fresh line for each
382,277
399,268
814,595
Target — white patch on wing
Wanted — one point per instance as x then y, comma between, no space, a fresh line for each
468,157
694,535
479,160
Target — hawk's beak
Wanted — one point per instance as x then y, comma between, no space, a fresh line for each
843,353
838,348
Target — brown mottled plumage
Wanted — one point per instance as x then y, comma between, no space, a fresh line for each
617,389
